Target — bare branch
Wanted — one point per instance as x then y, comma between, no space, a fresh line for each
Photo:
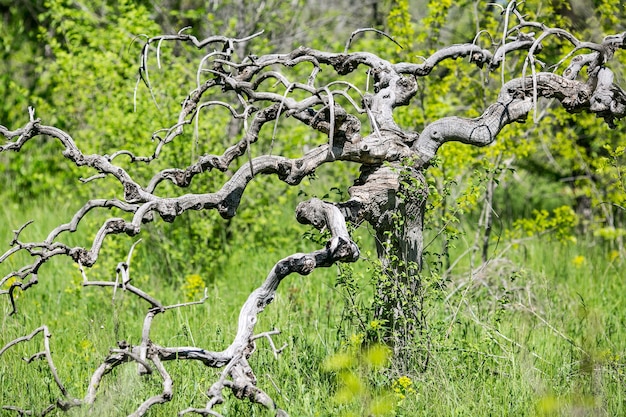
514,103
241,86
268,336
47,353
362,30
165,396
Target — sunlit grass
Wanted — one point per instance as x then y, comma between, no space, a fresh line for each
541,334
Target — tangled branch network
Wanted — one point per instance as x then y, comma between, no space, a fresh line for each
342,113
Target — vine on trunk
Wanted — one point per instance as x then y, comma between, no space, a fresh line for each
356,124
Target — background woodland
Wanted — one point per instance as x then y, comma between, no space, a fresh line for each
524,259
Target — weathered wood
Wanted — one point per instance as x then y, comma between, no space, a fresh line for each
391,185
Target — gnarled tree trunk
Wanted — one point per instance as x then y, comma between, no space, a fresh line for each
390,193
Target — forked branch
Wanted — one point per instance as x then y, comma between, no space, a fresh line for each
353,123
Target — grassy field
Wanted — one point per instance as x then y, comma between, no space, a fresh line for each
538,331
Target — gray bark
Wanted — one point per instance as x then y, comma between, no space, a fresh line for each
390,193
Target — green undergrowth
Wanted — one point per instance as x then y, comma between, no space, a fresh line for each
537,331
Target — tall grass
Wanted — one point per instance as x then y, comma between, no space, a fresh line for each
539,332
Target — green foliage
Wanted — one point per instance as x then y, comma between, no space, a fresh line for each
560,222
435,19
399,21
515,328
83,84
562,151
87,85
540,340
362,388
516,332
460,179
18,53
613,168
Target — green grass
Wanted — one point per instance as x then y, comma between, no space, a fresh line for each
538,334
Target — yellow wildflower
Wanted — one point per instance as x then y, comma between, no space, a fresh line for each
578,261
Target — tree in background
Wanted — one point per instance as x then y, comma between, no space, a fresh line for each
337,107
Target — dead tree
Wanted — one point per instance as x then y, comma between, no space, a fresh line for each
389,194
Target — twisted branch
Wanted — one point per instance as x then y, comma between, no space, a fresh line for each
380,153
